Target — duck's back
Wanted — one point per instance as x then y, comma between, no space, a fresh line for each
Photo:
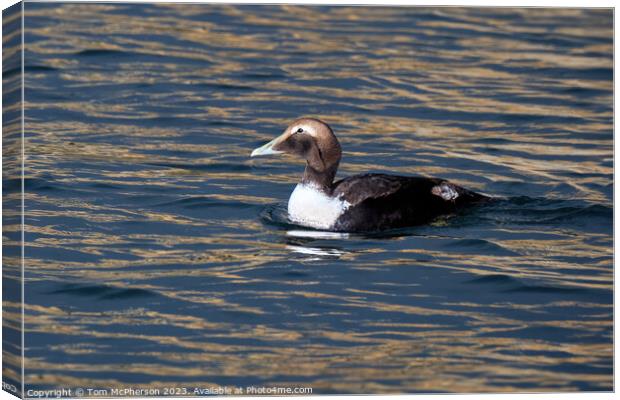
379,201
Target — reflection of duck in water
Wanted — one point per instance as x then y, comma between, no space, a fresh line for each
366,202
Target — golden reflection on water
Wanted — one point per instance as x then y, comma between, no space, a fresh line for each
139,179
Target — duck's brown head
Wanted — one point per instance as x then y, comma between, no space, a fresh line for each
312,140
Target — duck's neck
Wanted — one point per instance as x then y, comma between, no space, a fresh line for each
321,180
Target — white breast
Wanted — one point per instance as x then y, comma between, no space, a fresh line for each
309,206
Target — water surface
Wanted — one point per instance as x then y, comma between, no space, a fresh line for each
158,253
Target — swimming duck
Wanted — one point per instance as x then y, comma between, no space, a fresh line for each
365,202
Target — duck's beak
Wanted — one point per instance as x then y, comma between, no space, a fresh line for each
270,148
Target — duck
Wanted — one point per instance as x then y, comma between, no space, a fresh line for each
361,203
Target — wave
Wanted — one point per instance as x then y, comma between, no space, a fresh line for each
102,292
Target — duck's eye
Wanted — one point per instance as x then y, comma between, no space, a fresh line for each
300,130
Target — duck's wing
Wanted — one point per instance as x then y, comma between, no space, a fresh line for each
359,188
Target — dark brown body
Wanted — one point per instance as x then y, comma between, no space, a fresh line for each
381,202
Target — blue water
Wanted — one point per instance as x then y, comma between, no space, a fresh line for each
159,254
